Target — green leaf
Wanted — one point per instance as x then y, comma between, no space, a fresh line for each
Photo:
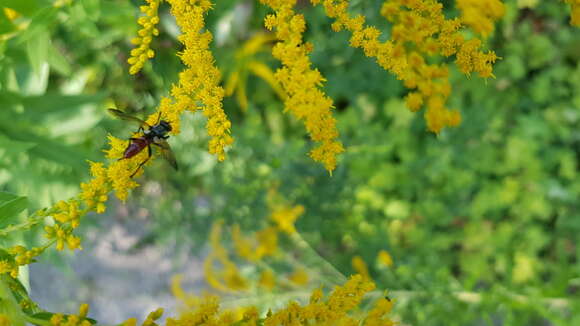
13,147
10,207
37,50
17,288
40,23
57,60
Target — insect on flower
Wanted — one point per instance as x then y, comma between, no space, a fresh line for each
152,135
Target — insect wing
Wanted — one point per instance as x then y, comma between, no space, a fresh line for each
122,115
167,152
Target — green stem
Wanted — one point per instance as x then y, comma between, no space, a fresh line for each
30,222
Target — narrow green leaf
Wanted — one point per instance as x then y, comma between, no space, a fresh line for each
6,197
37,50
57,60
10,209
41,23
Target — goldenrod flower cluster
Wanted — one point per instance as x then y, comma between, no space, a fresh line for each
223,274
72,320
143,52
66,217
384,258
336,309
302,84
199,82
481,15
361,268
575,16
419,29
149,321
220,271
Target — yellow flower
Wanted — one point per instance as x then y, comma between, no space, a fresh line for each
200,80
302,84
152,317
346,297
94,193
72,320
384,258
267,242
360,267
414,101
299,277
481,15
63,235
286,216
333,311
267,279
378,314
143,52
419,25
575,16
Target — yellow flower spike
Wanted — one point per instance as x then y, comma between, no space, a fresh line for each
419,25
73,242
301,84
575,16
94,193
299,277
316,295
286,216
267,242
359,265
56,319
119,175
481,15
377,316
117,147
384,258
152,317
242,245
200,81
233,279
142,53
83,310
267,280
414,101
349,295
130,322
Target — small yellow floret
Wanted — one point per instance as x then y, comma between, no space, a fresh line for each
143,52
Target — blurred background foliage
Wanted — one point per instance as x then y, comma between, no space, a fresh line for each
490,208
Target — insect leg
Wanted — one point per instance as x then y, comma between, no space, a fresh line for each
145,161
